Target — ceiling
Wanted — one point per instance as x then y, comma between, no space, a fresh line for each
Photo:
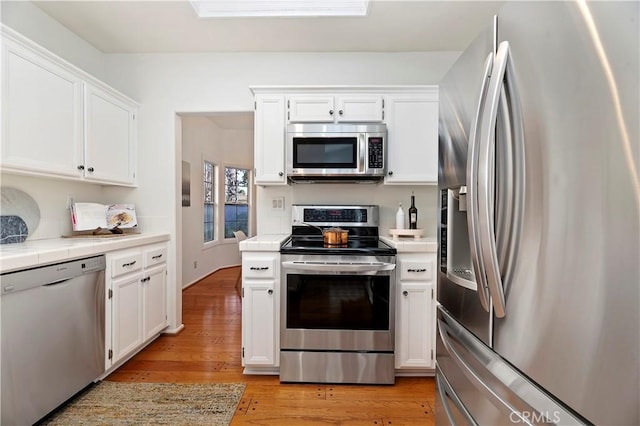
172,27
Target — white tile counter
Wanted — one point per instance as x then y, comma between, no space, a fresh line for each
264,242
412,245
41,252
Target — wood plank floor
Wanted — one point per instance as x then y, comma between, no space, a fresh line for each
208,350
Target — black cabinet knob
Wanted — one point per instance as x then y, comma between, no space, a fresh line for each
405,293
90,169
80,167
280,174
390,173
270,291
330,112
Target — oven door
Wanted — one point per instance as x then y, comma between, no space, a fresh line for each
338,303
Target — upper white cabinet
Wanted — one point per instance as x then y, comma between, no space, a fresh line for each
110,137
329,109
58,121
42,115
412,138
269,140
409,112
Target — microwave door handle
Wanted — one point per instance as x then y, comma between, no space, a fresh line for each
362,138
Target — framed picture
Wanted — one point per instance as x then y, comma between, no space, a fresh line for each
186,184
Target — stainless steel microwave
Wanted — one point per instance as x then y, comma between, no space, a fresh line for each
336,152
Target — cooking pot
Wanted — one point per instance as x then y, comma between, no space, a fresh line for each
335,236
331,236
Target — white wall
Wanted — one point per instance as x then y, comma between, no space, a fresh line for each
203,139
33,23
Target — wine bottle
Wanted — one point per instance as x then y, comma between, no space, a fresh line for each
413,213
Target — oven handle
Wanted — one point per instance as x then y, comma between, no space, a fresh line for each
338,266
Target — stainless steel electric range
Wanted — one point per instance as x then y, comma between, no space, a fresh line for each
338,302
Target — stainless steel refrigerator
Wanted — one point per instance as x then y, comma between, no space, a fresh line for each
539,277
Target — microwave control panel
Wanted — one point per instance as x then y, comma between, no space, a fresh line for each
376,152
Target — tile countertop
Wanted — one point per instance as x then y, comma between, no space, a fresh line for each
40,252
264,242
411,244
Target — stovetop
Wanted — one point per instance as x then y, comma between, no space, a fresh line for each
361,222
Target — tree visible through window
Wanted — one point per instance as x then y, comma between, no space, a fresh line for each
236,205
209,201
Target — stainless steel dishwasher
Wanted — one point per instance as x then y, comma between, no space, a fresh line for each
52,336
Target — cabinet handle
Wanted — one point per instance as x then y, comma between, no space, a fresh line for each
124,265
144,280
80,167
390,172
90,169
270,291
417,270
330,112
405,293
259,268
280,174
158,256
341,112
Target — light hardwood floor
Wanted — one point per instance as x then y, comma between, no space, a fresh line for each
208,350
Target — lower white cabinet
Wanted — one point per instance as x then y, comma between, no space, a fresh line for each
415,311
136,308
260,310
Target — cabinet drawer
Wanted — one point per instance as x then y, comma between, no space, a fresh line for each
259,268
416,270
155,256
126,263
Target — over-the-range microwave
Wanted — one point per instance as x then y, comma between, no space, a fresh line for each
336,152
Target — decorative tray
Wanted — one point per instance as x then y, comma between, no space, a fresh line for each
415,233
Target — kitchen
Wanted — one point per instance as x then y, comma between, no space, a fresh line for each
165,87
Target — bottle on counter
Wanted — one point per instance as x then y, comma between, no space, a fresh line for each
400,217
413,213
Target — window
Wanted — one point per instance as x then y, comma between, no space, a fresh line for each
209,201
236,201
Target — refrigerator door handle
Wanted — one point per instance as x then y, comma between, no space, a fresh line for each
502,384
472,190
446,392
486,176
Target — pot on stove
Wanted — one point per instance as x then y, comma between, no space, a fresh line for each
335,236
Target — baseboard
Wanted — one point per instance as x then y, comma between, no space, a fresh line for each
184,287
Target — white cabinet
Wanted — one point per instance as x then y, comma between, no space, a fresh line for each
415,314
269,140
412,138
42,115
260,311
329,109
59,121
136,308
110,137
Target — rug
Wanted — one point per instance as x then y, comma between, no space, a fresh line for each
121,403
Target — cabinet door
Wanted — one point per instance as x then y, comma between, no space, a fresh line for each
155,301
310,108
127,315
260,323
355,109
110,137
414,329
269,149
412,139
42,124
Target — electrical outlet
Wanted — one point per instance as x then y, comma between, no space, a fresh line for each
195,264
277,203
